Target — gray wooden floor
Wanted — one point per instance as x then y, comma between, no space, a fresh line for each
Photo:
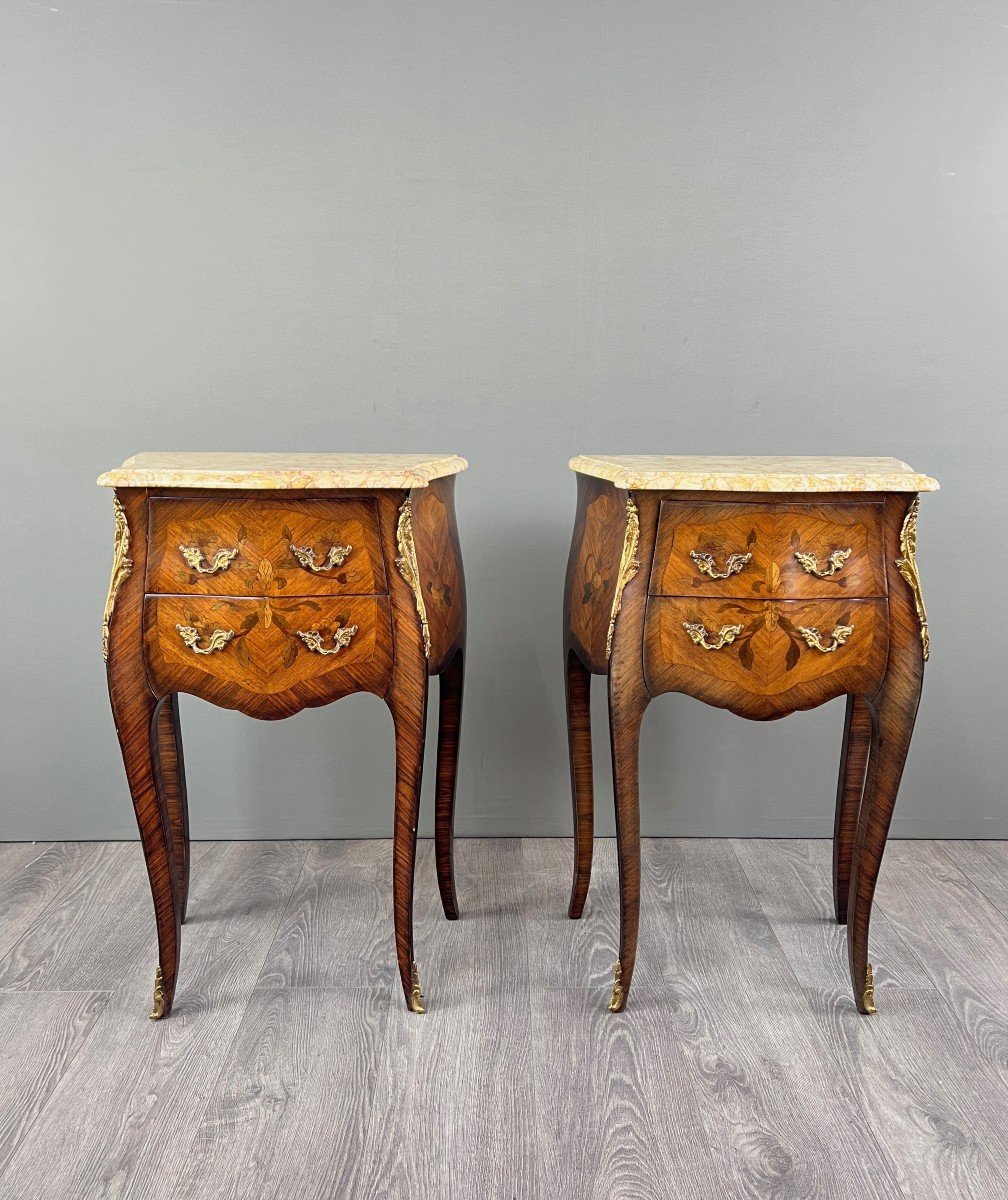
290,1067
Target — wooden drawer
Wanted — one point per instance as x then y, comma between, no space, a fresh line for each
247,548
267,657
753,656
754,550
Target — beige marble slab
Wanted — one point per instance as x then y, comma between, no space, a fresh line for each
209,470
744,473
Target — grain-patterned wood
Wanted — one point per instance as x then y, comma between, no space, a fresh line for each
455,1114
617,1117
334,933
932,1102
894,710
592,570
266,670
578,690
628,699
960,938
769,670
30,877
263,531
791,879
296,1099
135,709
777,1118
442,580
45,1032
850,786
172,782
985,865
771,533
407,701
124,1115
450,689
90,932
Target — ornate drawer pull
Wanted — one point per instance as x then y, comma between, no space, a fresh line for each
341,638
833,564
726,635
194,559
839,635
705,564
218,639
336,557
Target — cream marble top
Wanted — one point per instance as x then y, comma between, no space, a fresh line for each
203,470
744,473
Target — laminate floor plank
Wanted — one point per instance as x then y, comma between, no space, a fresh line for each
776,1112
985,865
87,936
121,1119
934,1103
958,935
454,1114
793,882
290,1115
615,1104
337,931
39,1036
30,877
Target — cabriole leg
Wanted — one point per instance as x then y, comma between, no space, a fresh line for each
449,726
578,681
853,763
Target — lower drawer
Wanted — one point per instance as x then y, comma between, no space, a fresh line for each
268,658
763,659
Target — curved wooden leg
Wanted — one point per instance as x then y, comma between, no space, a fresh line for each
625,714
137,716
580,747
171,767
409,713
895,709
850,787
449,725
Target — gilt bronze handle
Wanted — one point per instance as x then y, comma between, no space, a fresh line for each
191,636
705,564
839,635
336,557
726,635
833,564
341,639
195,560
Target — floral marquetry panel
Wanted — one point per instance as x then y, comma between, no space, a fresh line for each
265,547
774,656
257,655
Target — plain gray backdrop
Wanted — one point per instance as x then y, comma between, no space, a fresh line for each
515,231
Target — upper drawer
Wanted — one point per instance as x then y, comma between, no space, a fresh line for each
264,548
763,550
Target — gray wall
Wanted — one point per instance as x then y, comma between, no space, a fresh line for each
515,231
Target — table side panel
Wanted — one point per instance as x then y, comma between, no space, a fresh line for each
593,569
439,562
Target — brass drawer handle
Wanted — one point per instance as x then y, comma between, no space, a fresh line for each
218,639
336,557
194,559
833,564
341,639
839,635
726,635
705,564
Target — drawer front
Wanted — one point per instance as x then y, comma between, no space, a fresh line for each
763,659
268,657
758,551
265,548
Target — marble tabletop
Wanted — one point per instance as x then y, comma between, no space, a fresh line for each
266,471
745,473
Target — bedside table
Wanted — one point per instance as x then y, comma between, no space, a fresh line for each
270,583
760,585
